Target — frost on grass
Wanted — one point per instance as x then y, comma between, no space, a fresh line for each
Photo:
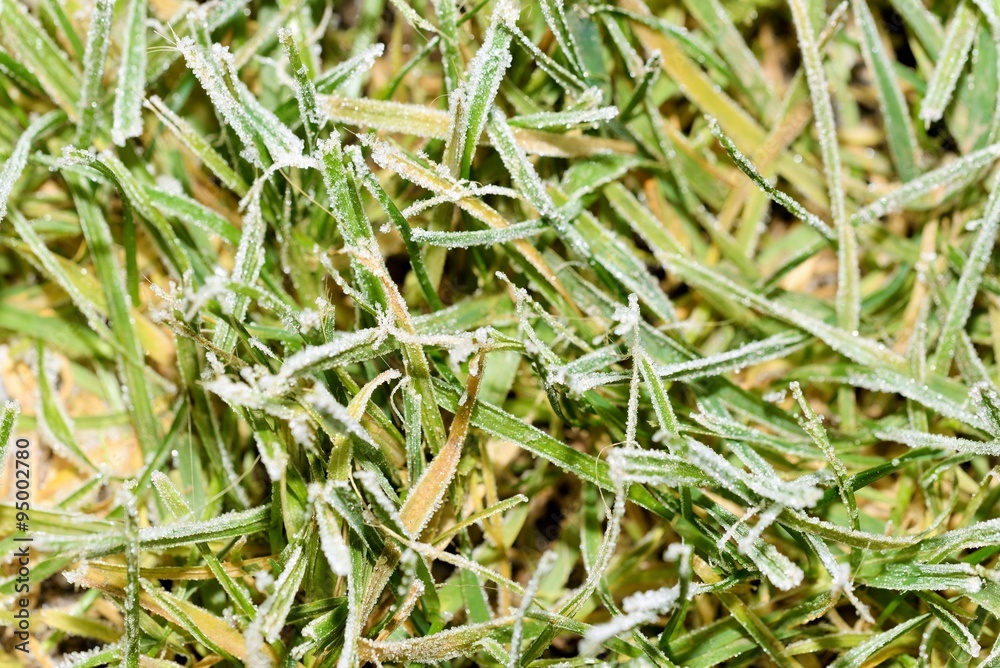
424,278
798,493
955,53
127,113
208,68
545,564
18,158
473,100
98,30
331,541
8,423
848,302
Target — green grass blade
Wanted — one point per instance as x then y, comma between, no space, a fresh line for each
473,101
950,63
848,262
198,145
93,68
968,284
8,422
896,116
36,50
131,89
18,158
860,654
99,240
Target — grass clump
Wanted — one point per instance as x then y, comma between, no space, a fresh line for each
500,334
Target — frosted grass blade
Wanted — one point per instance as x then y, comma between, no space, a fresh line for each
305,91
271,615
8,421
768,188
569,81
473,101
225,526
93,68
848,268
525,230
937,184
353,67
131,90
896,116
926,577
531,186
36,50
214,15
811,425
919,439
197,144
555,16
100,244
130,647
210,69
750,354
968,284
656,468
565,120
450,644
949,65
956,629
18,158
249,261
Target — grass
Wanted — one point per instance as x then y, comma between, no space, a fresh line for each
487,334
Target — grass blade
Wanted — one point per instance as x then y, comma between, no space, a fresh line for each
131,90
949,65
899,130
36,50
93,68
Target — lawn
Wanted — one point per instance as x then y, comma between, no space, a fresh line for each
498,333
